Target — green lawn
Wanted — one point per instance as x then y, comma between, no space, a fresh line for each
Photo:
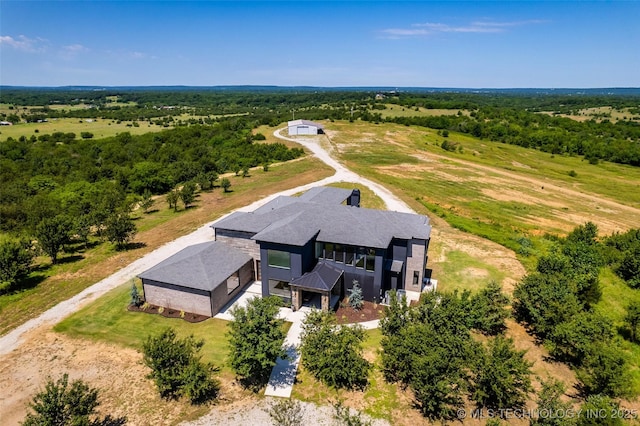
108,319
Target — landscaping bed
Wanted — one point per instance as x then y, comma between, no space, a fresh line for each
167,313
369,312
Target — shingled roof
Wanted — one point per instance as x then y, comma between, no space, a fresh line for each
296,220
323,278
201,266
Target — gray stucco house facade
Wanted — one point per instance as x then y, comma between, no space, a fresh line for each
306,249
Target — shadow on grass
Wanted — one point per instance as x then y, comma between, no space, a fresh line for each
25,284
111,421
132,246
69,259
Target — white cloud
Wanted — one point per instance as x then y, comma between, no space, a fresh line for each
431,28
23,43
75,48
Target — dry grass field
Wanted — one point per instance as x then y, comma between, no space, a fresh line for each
600,114
393,110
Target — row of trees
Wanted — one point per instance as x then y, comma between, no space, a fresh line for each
556,303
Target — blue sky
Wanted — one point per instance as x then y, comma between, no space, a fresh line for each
366,43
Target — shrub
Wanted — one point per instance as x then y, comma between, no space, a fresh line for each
286,412
176,367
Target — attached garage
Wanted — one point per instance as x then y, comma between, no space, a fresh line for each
199,279
305,127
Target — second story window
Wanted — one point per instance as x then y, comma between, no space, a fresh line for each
279,259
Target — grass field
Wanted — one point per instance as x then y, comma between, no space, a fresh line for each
401,111
600,114
77,271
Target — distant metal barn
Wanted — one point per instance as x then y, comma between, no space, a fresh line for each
305,127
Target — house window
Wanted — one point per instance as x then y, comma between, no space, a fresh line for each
349,255
279,259
360,257
416,277
339,253
233,282
371,260
328,251
319,249
281,289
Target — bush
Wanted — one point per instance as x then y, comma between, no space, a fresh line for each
286,412
176,367
333,353
61,404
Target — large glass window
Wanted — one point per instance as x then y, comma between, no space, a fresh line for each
360,257
416,275
371,259
339,249
349,255
328,251
319,250
281,289
279,259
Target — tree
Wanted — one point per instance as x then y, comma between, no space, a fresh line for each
82,228
135,296
176,367
355,296
333,353
172,198
551,410
225,183
604,370
52,234
188,194
62,405
488,309
15,261
632,319
502,376
286,412
572,340
120,229
600,410
147,201
255,340
86,135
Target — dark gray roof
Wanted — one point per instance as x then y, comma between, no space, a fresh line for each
326,195
323,277
295,222
201,266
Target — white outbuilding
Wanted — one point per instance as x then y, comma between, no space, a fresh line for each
305,127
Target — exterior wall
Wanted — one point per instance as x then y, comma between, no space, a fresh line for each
416,258
240,240
220,295
176,297
303,130
274,273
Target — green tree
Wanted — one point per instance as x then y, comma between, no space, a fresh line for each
136,300
52,234
61,404
501,376
120,229
172,198
225,183
604,370
147,201
355,296
176,367
333,353
16,258
600,410
488,309
82,228
571,341
255,339
188,194
552,410
632,319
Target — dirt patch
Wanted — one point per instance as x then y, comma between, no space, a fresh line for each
369,312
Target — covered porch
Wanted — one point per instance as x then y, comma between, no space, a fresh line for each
322,288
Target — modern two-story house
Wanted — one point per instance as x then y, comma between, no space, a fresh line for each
314,247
